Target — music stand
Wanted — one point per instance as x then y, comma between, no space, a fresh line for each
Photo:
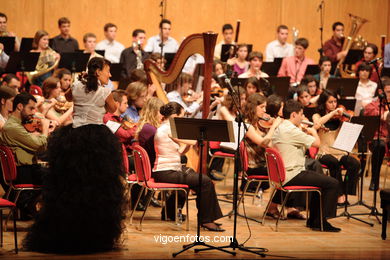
74,61
115,70
353,56
240,82
101,52
22,62
343,86
385,72
9,44
272,68
169,56
312,69
348,103
278,85
201,130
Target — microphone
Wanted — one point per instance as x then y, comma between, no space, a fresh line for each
227,81
374,61
307,123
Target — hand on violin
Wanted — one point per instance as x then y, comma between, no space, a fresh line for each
338,111
277,121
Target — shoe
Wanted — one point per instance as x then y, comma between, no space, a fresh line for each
155,203
216,176
372,186
327,227
216,229
275,215
140,207
296,215
343,204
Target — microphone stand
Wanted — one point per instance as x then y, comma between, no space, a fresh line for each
382,102
162,15
237,165
321,9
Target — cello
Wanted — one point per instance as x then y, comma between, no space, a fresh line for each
203,44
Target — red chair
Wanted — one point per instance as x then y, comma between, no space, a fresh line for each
10,174
6,204
277,175
249,178
213,145
144,179
131,178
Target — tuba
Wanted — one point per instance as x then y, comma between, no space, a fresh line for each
43,66
350,42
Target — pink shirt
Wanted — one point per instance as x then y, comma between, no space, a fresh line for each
294,68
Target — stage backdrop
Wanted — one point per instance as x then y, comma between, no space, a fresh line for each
259,18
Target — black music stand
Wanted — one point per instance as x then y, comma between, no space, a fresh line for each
22,62
343,87
115,70
353,56
348,103
385,72
312,69
26,44
279,85
169,56
239,82
74,61
9,44
201,130
272,68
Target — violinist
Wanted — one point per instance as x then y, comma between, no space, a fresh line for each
309,103
126,131
26,145
252,86
227,33
240,63
331,116
255,63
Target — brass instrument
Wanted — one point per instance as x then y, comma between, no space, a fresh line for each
138,52
356,23
44,65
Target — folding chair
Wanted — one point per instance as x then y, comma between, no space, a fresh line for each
213,145
6,204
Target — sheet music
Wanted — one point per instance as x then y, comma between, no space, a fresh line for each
232,145
347,136
113,126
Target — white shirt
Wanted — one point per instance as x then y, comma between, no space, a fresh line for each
191,63
218,49
153,45
248,74
112,49
167,151
364,95
89,108
275,49
175,96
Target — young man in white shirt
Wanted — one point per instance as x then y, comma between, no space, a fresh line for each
279,48
112,48
227,33
292,142
170,45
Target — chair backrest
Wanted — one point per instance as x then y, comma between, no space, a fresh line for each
142,164
244,156
214,145
8,164
275,167
125,160
313,152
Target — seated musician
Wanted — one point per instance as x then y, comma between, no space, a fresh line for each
50,108
4,58
305,98
65,77
379,149
219,67
366,89
89,40
168,169
64,42
333,48
369,52
136,96
279,48
170,45
181,87
112,48
25,145
252,86
324,75
4,30
295,66
10,80
330,115
7,96
292,143
239,63
227,33
47,58
255,63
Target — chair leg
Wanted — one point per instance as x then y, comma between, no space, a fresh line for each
176,207
242,195
136,204
9,214
256,191
15,231
130,187
146,208
281,210
321,213
188,216
384,179
307,205
1,228
269,203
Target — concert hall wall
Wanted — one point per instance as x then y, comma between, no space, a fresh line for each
259,18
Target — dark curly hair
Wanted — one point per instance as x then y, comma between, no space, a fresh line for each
83,193
170,109
90,79
321,108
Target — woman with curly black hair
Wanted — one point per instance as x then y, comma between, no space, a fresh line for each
83,192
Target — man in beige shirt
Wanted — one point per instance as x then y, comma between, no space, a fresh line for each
292,143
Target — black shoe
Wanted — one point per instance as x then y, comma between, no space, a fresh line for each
327,227
216,176
140,207
216,229
155,203
343,204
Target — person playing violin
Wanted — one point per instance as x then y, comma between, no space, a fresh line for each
329,114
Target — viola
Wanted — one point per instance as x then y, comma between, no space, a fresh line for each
33,125
265,121
128,124
216,91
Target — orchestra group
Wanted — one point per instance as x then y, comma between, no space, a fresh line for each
62,117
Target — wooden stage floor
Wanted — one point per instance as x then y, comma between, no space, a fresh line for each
293,240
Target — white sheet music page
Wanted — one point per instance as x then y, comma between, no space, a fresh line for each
113,126
347,136
233,146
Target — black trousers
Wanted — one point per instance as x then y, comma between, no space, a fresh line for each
378,150
208,207
329,189
348,185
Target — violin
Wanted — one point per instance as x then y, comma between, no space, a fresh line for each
265,121
345,116
216,91
33,125
128,124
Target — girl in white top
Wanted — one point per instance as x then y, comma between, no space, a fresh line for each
365,91
168,169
